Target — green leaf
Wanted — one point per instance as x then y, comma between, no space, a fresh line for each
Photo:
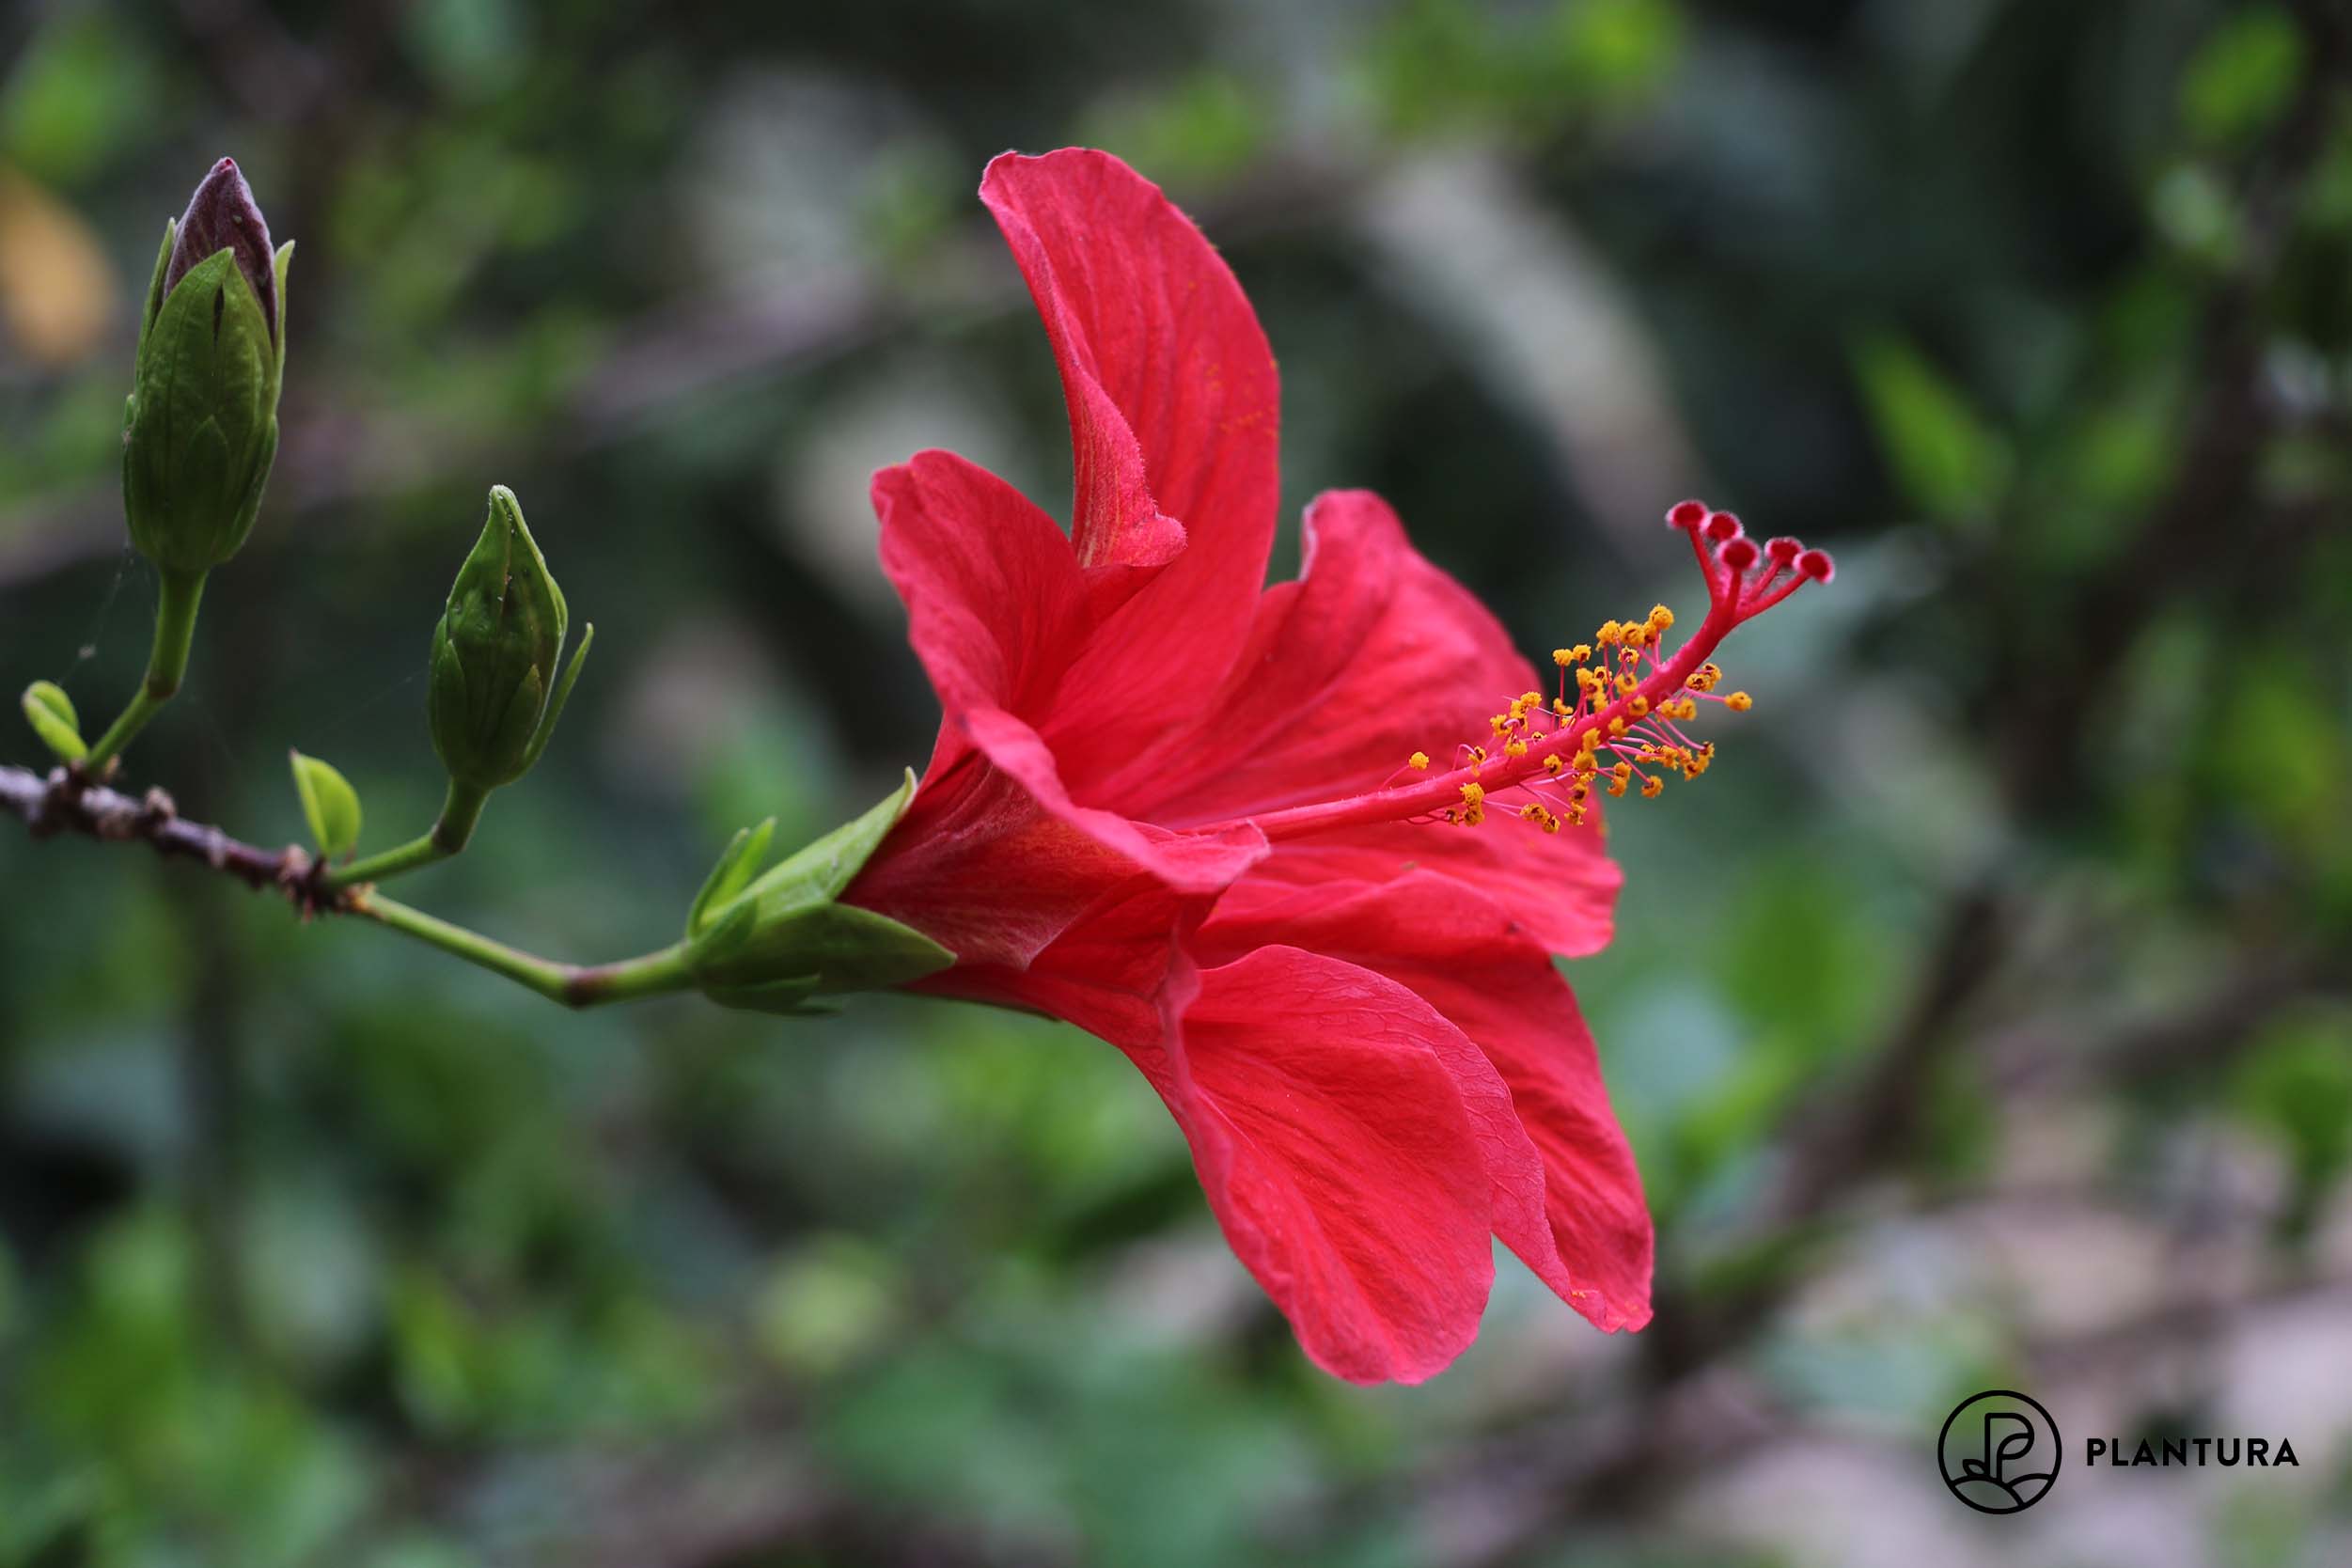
51,714
1946,460
330,803
2243,77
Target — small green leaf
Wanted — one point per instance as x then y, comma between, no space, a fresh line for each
331,804
51,714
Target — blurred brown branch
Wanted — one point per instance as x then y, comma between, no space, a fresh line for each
62,803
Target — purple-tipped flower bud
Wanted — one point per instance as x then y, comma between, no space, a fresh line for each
223,215
200,431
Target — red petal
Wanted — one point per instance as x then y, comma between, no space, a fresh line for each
1172,392
1336,1149
1174,425
1492,981
995,602
996,861
1373,654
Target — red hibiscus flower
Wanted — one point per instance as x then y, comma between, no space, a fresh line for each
1194,814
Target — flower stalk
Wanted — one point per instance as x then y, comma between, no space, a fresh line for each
175,603
574,985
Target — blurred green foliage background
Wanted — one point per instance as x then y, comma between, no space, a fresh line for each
1985,1018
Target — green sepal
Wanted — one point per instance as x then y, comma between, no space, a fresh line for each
788,998
563,694
200,429
784,927
51,714
736,866
329,804
155,283
279,265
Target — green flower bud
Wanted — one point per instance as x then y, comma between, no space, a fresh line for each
495,656
777,941
200,431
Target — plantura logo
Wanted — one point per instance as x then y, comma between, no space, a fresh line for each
1999,1451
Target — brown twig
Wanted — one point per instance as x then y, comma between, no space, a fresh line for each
64,802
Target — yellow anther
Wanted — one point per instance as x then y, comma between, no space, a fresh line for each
1473,795
1617,727
1552,764
1418,760
1616,786
1582,651
1660,618
1559,706
1551,824
1609,634
1651,786
1739,702
1498,721
1638,706
1627,684
1621,772
1704,676
1575,816
1516,747
1530,699
1563,657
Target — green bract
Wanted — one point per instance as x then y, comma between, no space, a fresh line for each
200,431
773,941
494,655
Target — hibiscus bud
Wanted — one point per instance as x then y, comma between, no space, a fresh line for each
200,431
495,656
775,941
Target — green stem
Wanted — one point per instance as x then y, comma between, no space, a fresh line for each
573,985
176,605
459,811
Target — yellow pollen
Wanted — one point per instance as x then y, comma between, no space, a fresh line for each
1617,727
1563,657
1552,764
1638,706
1616,786
1609,634
1551,823
1559,706
1625,685
1516,747
1660,618
1473,795
1651,786
1739,702
1621,772
1418,760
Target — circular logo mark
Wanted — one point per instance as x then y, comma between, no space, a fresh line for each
1999,1451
